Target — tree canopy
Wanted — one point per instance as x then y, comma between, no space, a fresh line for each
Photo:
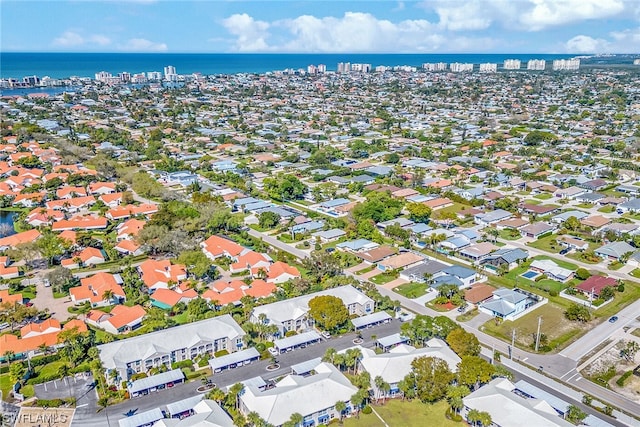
328,311
379,206
430,376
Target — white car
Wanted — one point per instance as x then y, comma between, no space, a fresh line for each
273,351
326,334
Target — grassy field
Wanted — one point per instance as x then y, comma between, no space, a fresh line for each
385,277
584,205
543,196
533,201
559,331
5,384
397,413
607,209
412,290
635,273
549,244
509,234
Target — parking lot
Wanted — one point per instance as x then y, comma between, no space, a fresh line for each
81,386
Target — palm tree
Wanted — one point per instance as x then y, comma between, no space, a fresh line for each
107,295
255,419
329,355
352,357
341,407
217,395
378,381
235,391
296,419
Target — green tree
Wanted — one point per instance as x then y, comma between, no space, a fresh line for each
572,223
577,312
575,414
455,394
463,343
474,371
328,311
198,264
582,273
284,187
16,372
50,246
419,212
341,407
197,309
431,376
268,219
321,264
379,206
479,418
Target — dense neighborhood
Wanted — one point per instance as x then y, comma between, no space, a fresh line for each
393,225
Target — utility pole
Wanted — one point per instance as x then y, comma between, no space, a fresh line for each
538,333
513,342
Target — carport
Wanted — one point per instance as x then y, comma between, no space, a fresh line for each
230,361
144,386
302,340
388,342
142,419
371,320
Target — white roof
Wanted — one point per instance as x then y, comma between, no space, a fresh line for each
370,319
230,359
392,339
304,395
396,364
156,380
295,340
141,419
508,409
118,353
207,414
551,267
294,308
183,405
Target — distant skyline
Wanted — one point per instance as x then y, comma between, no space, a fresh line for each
235,26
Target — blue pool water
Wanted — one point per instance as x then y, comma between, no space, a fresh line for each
530,274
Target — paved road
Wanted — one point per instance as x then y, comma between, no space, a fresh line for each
87,415
57,306
298,253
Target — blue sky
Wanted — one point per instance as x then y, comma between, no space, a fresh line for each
438,26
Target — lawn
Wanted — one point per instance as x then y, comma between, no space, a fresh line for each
631,293
532,201
5,385
455,208
584,205
607,209
543,196
509,234
398,413
615,265
385,277
412,290
559,331
549,244
635,273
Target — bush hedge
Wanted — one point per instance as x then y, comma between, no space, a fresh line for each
367,410
182,364
623,378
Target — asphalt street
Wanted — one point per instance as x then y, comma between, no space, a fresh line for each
88,416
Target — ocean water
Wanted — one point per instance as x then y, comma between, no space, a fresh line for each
62,65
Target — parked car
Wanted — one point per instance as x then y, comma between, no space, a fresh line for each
326,334
565,251
273,351
613,319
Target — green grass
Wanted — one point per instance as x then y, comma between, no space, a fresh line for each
635,273
532,202
412,290
621,300
543,196
559,331
5,385
397,413
549,244
367,269
584,205
58,295
615,265
455,208
385,277
607,209
468,315
509,234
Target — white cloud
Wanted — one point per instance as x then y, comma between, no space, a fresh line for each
464,16
75,39
251,35
352,32
545,13
626,41
68,39
143,45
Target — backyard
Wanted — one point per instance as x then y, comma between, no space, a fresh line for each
385,277
514,278
406,414
509,234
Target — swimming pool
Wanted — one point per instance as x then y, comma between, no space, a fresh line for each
530,274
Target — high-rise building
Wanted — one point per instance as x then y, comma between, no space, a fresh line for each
511,64
636,61
438,66
362,68
536,64
103,76
344,67
458,67
312,69
125,77
322,68
31,80
489,67
572,64
154,76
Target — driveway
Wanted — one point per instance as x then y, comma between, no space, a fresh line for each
57,306
395,283
369,274
81,386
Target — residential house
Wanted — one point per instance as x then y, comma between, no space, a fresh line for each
537,230
162,348
94,289
492,217
25,347
504,258
552,270
329,236
292,314
423,272
166,299
614,250
121,319
477,252
402,260
313,396
595,284
508,304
